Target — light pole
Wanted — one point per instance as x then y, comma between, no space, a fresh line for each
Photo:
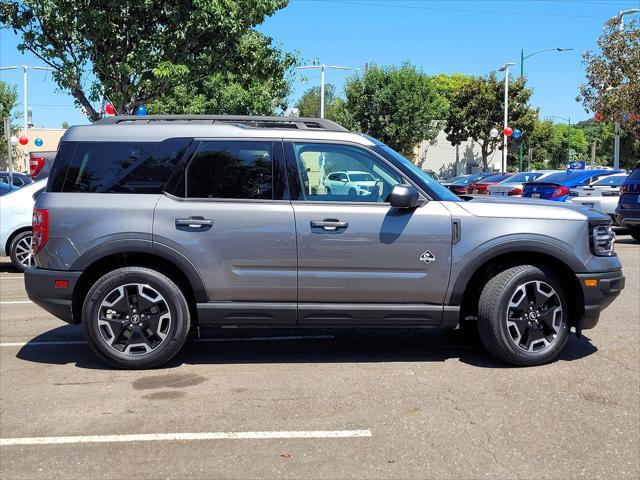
568,120
25,86
505,69
522,59
322,68
619,19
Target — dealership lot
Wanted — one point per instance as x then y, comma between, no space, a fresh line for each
319,404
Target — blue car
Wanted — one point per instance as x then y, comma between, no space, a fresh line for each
628,211
558,185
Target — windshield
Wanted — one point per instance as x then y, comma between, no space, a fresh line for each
562,177
523,177
611,181
443,193
361,177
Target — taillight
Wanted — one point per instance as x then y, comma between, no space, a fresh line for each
40,229
561,192
625,188
35,165
516,191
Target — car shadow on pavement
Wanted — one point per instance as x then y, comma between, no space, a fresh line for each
307,346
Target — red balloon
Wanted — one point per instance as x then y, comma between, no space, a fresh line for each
508,131
633,117
109,109
23,140
598,117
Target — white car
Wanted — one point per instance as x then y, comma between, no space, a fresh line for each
512,186
607,186
16,209
350,182
602,195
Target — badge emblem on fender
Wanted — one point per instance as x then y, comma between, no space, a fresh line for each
427,257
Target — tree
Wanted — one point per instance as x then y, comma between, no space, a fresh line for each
8,101
64,125
309,103
134,52
613,77
553,144
478,106
602,134
397,105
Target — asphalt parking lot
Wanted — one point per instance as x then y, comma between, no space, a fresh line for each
319,404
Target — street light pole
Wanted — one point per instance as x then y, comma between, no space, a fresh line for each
322,68
616,146
522,58
505,69
25,103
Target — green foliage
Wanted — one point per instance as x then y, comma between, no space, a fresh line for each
8,101
398,105
309,103
137,51
613,77
477,106
553,145
603,134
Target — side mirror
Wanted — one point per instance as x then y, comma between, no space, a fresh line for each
404,196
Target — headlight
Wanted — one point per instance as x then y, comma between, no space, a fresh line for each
602,240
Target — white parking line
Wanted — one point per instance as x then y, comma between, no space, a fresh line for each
194,340
16,277
154,437
16,302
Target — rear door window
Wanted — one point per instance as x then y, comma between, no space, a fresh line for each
231,170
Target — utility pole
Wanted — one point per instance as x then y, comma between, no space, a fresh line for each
616,149
593,154
25,97
322,68
505,69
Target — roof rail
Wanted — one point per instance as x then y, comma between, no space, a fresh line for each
248,120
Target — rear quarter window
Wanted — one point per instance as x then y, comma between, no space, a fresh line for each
115,167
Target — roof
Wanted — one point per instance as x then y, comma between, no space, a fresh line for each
156,128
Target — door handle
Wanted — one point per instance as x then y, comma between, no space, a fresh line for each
329,224
195,222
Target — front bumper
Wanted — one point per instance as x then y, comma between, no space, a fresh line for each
598,297
42,290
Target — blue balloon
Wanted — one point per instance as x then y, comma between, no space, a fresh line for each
39,142
517,133
141,110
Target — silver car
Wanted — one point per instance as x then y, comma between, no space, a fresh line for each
153,226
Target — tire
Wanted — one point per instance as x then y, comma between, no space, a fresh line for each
635,233
523,316
135,318
20,251
328,190
352,191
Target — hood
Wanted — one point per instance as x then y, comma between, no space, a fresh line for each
523,208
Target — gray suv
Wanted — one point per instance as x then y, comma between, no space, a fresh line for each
153,226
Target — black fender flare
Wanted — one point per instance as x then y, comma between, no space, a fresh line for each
147,247
492,251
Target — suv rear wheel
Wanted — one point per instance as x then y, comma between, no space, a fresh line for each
635,233
20,251
135,317
523,316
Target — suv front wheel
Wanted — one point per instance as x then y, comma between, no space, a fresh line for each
135,317
523,316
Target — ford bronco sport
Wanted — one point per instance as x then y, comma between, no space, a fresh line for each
151,226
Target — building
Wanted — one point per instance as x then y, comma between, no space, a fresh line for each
50,139
448,160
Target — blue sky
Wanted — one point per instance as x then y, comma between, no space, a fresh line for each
472,37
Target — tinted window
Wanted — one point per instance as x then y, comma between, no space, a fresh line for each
611,180
524,177
562,177
116,167
471,178
635,175
360,177
496,178
242,170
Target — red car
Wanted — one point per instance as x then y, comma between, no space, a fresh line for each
481,187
